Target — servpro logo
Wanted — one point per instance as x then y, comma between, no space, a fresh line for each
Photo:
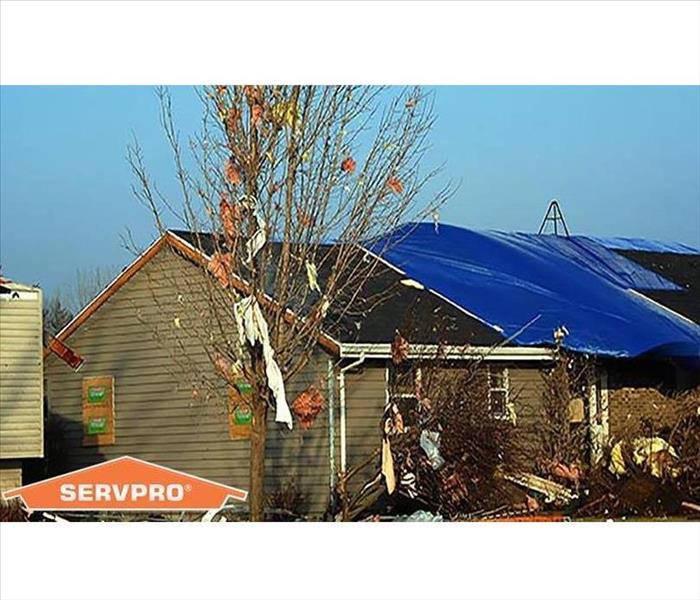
104,492
126,484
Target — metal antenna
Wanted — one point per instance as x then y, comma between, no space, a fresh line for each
555,217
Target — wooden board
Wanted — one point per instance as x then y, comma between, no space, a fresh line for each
98,411
240,415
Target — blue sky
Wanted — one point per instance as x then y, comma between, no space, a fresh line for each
623,161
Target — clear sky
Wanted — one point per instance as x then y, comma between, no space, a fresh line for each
623,161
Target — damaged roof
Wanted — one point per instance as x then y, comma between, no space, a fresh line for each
681,269
529,285
449,285
417,313
675,262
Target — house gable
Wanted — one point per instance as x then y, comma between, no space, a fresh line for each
169,405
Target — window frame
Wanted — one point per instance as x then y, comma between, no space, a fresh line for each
508,409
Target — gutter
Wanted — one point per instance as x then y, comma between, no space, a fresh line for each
343,415
426,351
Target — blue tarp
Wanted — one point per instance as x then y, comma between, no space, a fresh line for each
509,279
621,243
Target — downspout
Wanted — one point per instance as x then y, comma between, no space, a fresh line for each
343,415
330,383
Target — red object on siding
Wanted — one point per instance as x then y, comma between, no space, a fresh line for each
71,358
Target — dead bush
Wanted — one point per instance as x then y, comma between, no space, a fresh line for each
285,503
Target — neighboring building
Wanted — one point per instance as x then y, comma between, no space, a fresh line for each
21,380
131,336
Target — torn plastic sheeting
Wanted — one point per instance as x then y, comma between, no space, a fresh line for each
506,279
430,442
257,240
312,276
252,326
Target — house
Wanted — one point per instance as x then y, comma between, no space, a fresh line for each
136,332
21,380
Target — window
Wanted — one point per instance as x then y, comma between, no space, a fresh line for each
499,393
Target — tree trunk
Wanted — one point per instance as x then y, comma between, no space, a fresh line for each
257,459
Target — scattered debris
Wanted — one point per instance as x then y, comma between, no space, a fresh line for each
412,283
233,175
422,516
654,454
430,442
220,266
399,348
257,240
388,466
551,491
66,354
231,217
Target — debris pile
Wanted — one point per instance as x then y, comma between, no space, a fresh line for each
444,456
653,476
440,452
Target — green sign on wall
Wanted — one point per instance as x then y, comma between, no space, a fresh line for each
98,425
97,394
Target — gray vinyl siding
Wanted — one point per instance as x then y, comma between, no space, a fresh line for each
526,386
133,337
21,378
365,392
301,456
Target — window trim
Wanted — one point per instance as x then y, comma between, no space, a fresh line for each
509,410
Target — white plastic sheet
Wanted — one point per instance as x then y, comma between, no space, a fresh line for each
252,327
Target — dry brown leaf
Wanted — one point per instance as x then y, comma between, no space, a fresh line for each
348,165
233,175
231,120
395,185
230,217
307,406
256,113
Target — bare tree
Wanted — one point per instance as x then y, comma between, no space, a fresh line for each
86,285
297,165
55,313
70,299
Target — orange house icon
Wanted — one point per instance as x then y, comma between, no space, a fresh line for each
126,484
